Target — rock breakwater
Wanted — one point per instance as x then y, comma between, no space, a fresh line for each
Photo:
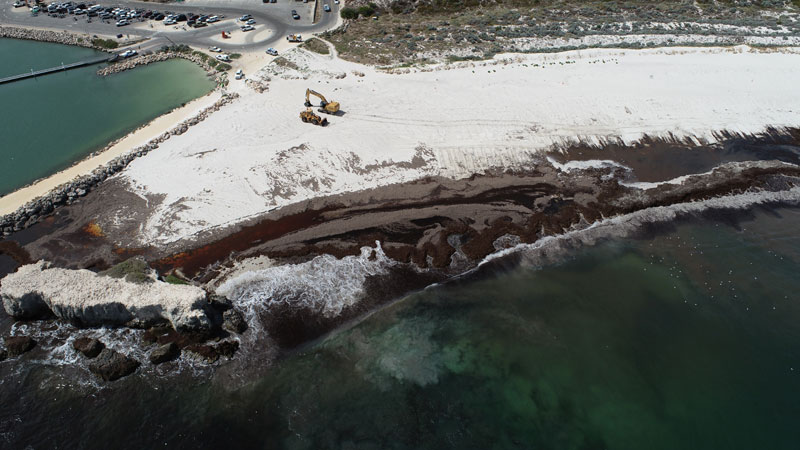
58,37
144,60
71,191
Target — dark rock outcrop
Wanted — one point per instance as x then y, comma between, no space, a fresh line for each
89,347
111,365
18,345
233,321
227,348
3,354
164,353
203,352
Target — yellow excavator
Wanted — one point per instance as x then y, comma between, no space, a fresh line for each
324,105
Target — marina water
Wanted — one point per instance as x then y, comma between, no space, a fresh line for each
52,121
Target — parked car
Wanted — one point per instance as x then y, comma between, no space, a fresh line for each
223,58
327,8
212,19
239,74
248,28
215,49
245,17
122,23
251,21
295,16
272,51
128,53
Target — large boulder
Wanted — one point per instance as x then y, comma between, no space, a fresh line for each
111,365
17,345
89,299
89,347
164,353
233,321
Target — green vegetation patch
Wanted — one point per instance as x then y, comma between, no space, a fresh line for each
315,45
172,279
105,43
283,62
235,55
415,31
222,67
134,270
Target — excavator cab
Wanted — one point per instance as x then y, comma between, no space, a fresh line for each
324,105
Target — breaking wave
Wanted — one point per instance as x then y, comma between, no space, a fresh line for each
325,284
552,248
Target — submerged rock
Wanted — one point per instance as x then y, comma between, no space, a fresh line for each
90,347
88,299
164,353
211,353
233,321
203,352
17,345
111,365
227,348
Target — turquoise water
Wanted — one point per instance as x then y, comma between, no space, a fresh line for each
688,340
52,121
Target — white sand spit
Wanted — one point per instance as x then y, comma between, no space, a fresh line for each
256,155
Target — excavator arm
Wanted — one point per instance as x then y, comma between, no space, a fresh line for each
325,105
322,99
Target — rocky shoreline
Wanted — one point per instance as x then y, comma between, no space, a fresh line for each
69,192
57,37
143,60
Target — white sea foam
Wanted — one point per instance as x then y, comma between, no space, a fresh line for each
551,247
325,284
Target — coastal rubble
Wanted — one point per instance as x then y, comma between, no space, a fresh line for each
17,345
111,365
58,37
88,299
87,346
164,353
233,321
144,60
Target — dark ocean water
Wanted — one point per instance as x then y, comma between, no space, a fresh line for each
686,339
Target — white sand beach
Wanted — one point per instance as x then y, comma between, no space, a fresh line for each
256,155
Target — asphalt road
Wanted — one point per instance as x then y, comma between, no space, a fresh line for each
274,16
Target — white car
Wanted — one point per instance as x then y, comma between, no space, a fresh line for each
224,58
239,74
212,19
122,23
128,53
248,28
272,51
336,1
327,8
215,49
